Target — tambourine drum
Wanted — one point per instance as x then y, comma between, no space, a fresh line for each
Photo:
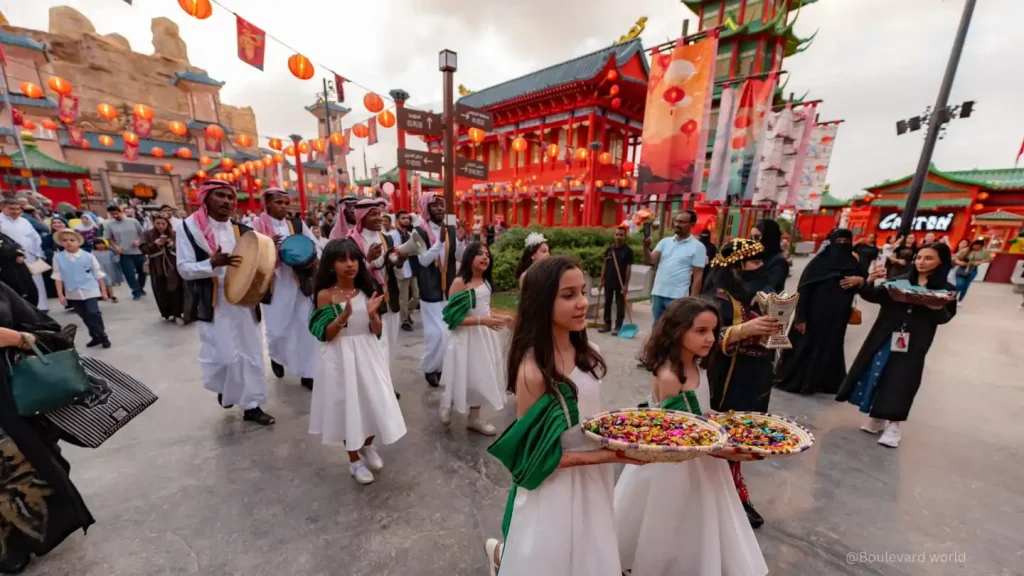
247,283
297,250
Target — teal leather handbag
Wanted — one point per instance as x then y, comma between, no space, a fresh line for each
47,381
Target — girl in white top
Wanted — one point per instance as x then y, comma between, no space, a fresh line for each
559,519
474,371
684,517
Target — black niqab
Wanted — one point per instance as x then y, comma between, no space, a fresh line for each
771,237
834,261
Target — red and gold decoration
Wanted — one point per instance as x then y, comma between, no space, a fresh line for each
106,111
581,154
252,43
386,119
31,90
131,147
130,138
319,145
59,85
76,136
106,140
300,67
373,102
67,108
199,9
177,128
605,158
477,135
519,144
552,151
289,151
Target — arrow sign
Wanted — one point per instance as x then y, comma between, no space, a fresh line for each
419,122
419,160
469,168
474,118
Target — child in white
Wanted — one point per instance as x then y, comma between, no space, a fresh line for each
684,517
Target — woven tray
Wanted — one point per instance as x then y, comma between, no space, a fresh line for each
650,453
803,435
899,292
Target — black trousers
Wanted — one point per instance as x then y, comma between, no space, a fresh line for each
613,295
89,312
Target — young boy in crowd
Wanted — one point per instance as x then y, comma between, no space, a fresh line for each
79,280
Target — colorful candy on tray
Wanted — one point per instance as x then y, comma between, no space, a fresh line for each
652,428
748,430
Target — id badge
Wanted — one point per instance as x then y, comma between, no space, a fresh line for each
900,341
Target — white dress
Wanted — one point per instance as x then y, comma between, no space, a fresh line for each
353,398
474,363
566,526
288,339
685,518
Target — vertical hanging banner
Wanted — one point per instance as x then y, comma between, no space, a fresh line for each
131,152
718,174
67,110
339,87
212,144
142,127
675,132
816,161
76,135
417,189
796,150
751,155
371,129
770,174
741,141
346,146
252,43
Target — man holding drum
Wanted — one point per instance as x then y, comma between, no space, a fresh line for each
289,303
230,341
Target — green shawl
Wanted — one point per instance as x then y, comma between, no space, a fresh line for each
531,447
321,317
458,307
685,401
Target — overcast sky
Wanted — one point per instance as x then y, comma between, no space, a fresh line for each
873,62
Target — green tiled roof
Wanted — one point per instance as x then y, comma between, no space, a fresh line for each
197,77
1000,215
924,203
392,176
22,41
996,179
584,67
38,161
830,201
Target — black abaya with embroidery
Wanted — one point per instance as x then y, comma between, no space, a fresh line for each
817,361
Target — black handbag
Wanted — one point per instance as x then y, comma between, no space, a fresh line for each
47,381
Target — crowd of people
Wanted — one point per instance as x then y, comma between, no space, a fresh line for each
335,325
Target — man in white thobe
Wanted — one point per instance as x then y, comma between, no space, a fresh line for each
435,272
286,315
21,231
230,340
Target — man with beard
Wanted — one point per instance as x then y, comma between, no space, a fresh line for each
347,219
680,261
230,341
23,235
408,294
327,222
435,272
289,302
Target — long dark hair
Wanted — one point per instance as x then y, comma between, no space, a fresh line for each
664,346
466,266
533,332
936,278
526,260
342,249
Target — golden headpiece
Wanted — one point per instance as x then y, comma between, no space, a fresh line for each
737,250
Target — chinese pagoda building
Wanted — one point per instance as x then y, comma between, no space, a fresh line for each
563,139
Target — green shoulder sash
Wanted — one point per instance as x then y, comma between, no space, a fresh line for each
685,401
458,307
321,317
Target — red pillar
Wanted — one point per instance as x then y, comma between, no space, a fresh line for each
300,181
590,192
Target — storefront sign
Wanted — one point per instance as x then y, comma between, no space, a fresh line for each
922,222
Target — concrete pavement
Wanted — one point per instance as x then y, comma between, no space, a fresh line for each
189,488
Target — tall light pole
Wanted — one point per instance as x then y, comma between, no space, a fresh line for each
448,62
939,115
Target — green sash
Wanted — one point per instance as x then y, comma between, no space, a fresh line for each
458,307
685,401
321,317
531,447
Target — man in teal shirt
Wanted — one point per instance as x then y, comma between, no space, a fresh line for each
680,260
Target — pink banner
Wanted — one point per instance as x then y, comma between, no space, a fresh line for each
142,127
371,128
803,124
131,152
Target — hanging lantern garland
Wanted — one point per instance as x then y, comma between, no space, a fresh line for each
177,128
214,132
227,163
31,90
360,131
143,112
106,140
59,85
275,144
373,102
477,135
386,119
106,111
130,138
337,139
243,140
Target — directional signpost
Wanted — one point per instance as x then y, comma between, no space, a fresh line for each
469,168
473,118
420,122
419,160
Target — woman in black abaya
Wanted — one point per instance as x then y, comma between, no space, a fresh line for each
776,266
817,361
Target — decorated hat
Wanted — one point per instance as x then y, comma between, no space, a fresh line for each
738,250
60,234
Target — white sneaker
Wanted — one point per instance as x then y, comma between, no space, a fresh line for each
874,426
373,460
179,321
491,546
360,473
891,436
446,416
481,426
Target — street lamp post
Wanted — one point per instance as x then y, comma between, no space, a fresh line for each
300,182
937,117
448,64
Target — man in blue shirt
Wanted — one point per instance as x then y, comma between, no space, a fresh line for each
680,260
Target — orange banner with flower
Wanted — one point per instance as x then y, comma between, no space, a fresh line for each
676,120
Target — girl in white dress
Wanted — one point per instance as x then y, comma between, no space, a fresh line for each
474,371
559,519
684,517
353,401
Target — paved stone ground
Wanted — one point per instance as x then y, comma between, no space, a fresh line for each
190,488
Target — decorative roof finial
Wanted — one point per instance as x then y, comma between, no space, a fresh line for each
634,32
463,91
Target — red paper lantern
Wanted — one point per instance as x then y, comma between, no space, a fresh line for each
581,154
236,172
28,124
361,131
168,167
979,206
214,132
59,85
519,144
477,135
605,158
304,147
373,102
205,160
739,142
227,163
612,76
243,140
614,90
130,138
599,183
268,160
258,164
983,196
386,119
258,183
106,140
627,167
143,112
184,153
85,145
278,158
199,9
106,111
319,144
337,139
31,90
616,102
157,152
689,127
673,95
300,67
49,124
177,128
290,151
200,173
274,143
624,183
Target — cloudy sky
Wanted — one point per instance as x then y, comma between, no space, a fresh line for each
873,62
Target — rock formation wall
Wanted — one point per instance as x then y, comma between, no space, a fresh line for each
104,69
